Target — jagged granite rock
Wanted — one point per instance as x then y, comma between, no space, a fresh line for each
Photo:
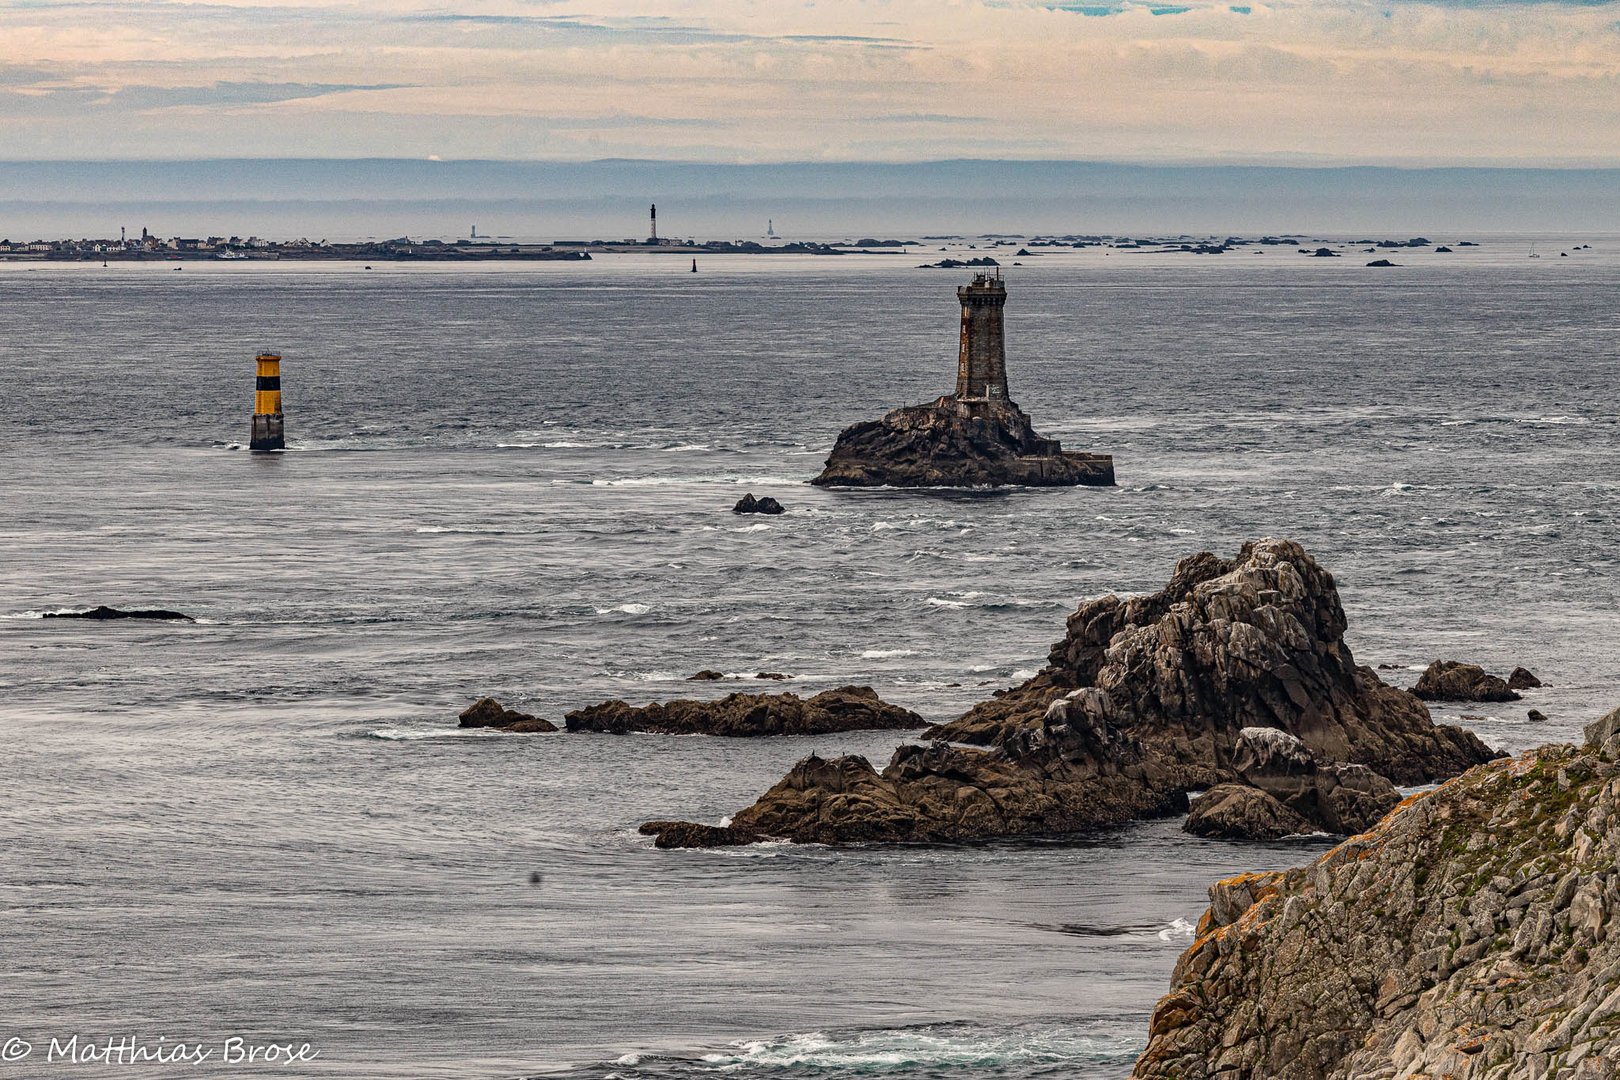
1469,936
942,793
848,708
1522,679
1254,641
1450,680
953,442
489,713
1144,701
103,613
1305,795
1241,812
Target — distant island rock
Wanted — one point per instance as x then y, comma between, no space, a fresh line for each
957,264
1469,935
975,437
750,505
1143,701
102,613
489,713
1450,680
848,708
1382,262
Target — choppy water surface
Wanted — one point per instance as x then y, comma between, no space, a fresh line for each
516,481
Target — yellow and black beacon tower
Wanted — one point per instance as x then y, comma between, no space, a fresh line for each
268,432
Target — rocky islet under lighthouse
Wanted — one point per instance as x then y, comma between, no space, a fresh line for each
976,437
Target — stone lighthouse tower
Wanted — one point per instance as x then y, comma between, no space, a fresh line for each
981,373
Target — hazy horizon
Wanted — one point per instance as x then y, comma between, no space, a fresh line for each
607,199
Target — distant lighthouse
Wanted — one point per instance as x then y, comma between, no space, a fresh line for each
267,432
652,237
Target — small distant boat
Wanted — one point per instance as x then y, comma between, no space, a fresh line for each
230,255
1533,254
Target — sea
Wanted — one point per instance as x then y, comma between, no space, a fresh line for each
264,830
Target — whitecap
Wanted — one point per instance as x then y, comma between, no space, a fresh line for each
628,1059
1025,673
939,601
886,654
761,527
1178,930
624,609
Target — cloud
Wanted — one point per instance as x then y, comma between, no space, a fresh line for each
1420,81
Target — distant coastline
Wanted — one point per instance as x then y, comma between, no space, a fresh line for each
174,249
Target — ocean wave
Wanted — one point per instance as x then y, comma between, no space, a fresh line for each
886,654
759,527
929,1046
1178,930
624,609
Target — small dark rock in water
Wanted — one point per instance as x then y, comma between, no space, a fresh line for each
534,875
1449,680
750,505
706,675
1324,253
1522,679
1382,262
1536,715
777,675
489,713
1442,249
1390,667
103,613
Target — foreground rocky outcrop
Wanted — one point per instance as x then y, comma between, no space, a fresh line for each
1467,936
957,443
1451,680
489,713
1283,791
103,613
1253,641
1144,700
848,708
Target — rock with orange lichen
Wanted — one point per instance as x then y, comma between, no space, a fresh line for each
1469,935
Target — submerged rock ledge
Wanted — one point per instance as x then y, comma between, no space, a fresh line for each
848,708
1467,936
1144,700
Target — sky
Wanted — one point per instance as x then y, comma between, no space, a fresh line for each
1297,82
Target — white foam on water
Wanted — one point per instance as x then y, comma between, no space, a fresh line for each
685,448
761,527
398,734
939,601
1178,930
624,609
1024,673
628,1059
886,654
